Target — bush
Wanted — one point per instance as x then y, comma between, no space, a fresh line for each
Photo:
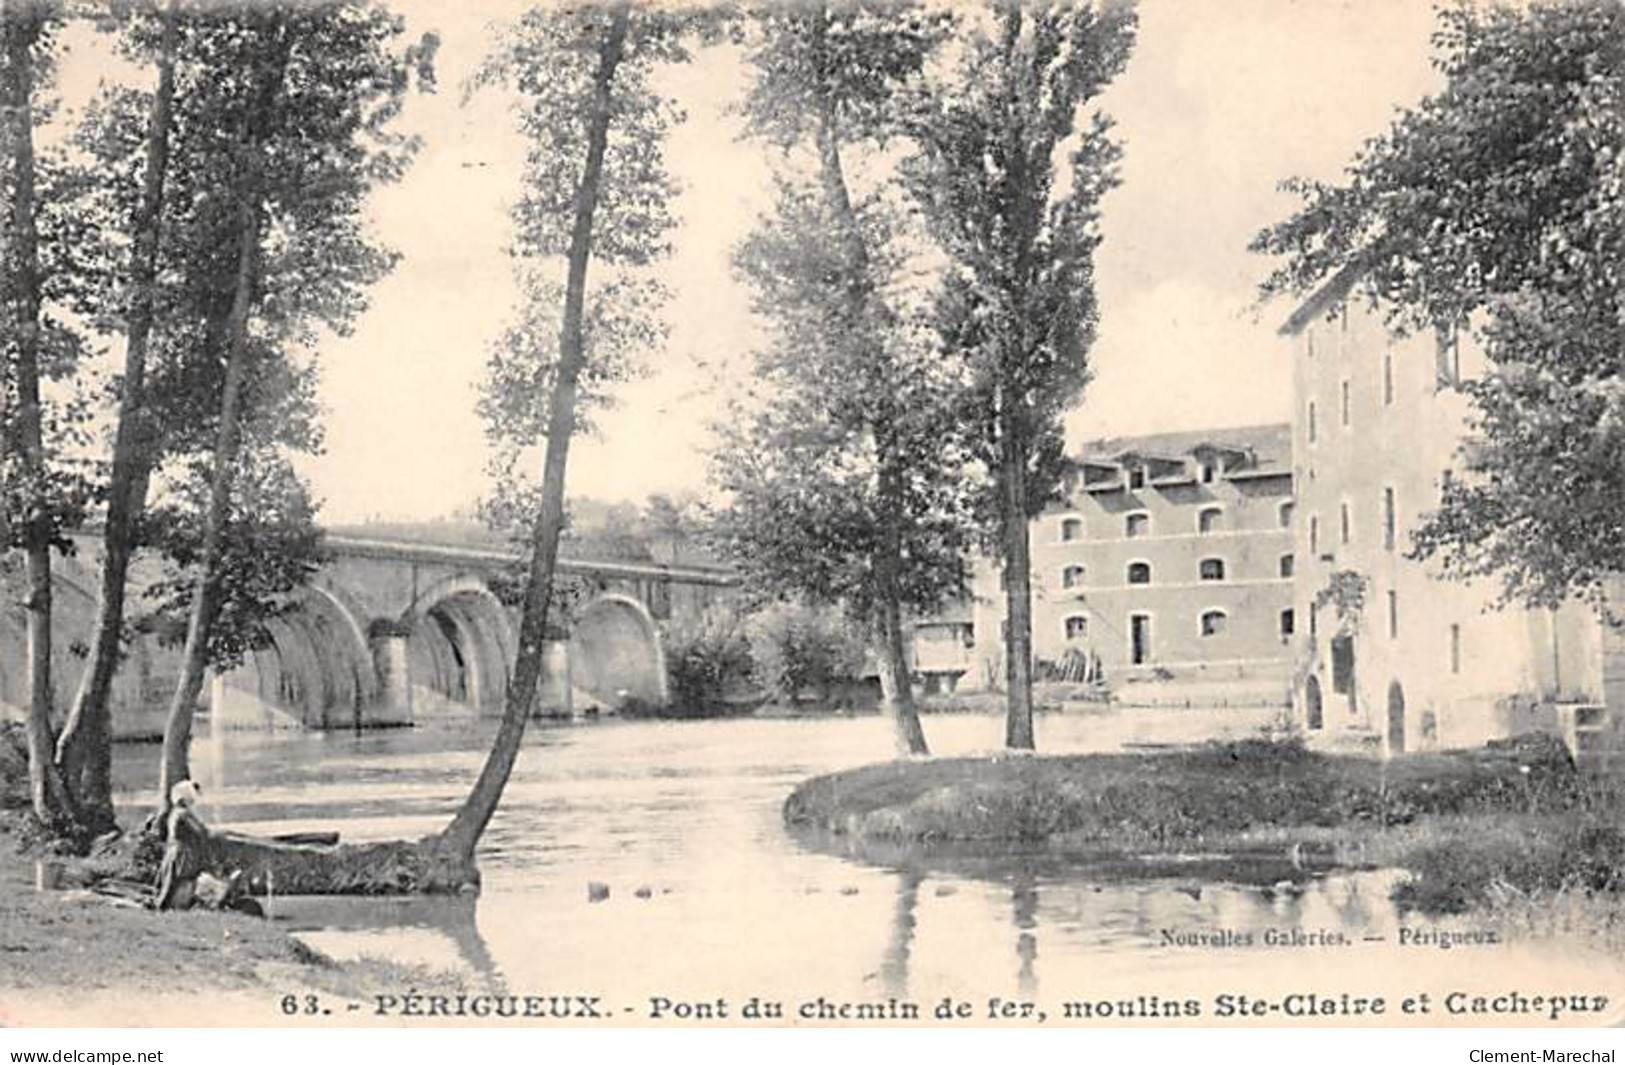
707,661
798,649
13,765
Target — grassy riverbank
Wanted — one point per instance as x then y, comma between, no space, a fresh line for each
1481,830
76,943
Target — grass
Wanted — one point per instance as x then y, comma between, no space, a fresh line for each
79,942
1477,830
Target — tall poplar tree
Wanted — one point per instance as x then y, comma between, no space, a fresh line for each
284,124
594,209
84,749
42,493
846,487
1010,176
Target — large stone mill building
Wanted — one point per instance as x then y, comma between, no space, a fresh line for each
1423,662
1169,556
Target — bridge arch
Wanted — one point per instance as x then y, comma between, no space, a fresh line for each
461,644
616,653
314,666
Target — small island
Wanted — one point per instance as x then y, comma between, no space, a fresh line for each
1511,830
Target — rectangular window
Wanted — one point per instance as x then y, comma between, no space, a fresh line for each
1388,379
1314,620
1286,623
1455,648
1389,519
1393,614
1311,421
1136,477
1286,566
1345,403
1314,536
1344,529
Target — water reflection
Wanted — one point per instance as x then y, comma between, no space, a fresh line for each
1024,909
709,895
894,966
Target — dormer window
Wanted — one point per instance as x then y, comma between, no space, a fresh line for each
1136,478
1208,472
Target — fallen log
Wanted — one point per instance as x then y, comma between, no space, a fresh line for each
315,865
392,867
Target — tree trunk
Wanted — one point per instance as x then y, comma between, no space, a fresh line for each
84,750
1014,415
46,792
456,845
896,679
206,594
1018,643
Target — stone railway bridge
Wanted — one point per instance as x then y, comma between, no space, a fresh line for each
386,633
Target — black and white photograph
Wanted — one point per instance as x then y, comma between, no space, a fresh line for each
941,514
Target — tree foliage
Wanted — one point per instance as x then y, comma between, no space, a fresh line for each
845,485
271,547
805,513
1496,206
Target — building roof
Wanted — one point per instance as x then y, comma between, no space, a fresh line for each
1327,296
1270,446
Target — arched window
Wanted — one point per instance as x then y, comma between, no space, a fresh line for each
1071,529
1209,519
1077,627
1286,566
1139,573
1213,622
1072,577
1212,569
1136,525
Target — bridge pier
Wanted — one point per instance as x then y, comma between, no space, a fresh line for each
391,662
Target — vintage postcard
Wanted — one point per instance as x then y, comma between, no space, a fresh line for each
1087,514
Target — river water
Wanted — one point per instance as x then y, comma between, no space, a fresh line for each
709,896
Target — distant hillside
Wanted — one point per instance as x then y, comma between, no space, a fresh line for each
598,531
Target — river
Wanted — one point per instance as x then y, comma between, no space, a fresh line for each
709,896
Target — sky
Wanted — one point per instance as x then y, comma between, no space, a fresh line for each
1219,102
